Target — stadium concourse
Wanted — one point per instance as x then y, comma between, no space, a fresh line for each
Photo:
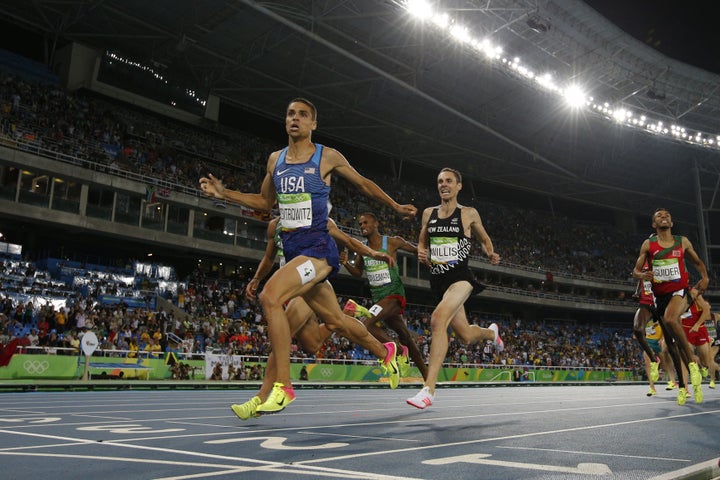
609,431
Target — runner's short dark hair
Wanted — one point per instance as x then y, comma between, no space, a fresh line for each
306,102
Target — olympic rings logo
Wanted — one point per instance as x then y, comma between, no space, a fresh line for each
35,367
326,372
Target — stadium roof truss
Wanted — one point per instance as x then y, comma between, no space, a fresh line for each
389,83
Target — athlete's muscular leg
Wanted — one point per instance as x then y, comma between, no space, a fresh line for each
376,331
297,313
707,360
381,312
304,326
671,319
451,303
295,278
398,325
646,361
469,333
666,362
673,351
387,311
324,303
642,316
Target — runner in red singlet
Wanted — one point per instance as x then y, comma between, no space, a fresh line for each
665,253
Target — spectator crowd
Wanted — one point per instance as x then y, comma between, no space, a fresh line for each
214,316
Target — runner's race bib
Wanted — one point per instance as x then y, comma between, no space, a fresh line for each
444,250
666,270
295,210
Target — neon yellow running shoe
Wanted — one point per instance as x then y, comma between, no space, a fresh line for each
280,397
390,366
705,372
695,375
698,394
651,392
353,309
654,373
671,385
712,384
247,409
682,396
404,362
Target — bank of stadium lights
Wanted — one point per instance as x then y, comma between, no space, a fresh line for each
677,132
423,11
114,57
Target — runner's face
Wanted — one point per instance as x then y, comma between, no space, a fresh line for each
299,120
367,224
448,186
662,219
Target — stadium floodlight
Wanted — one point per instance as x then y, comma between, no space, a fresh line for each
420,9
442,20
547,81
490,50
619,114
460,33
424,10
575,96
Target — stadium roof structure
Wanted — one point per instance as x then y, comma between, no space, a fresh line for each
387,82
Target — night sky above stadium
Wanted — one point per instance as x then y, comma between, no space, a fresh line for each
685,31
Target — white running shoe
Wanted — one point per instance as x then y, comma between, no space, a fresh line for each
422,399
498,341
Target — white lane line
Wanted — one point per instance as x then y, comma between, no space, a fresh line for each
104,417
596,454
197,424
417,417
256,465
19,411
506,437
35,447
709,469
58,421
128,460
143,448
274,470
325,434
301,470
